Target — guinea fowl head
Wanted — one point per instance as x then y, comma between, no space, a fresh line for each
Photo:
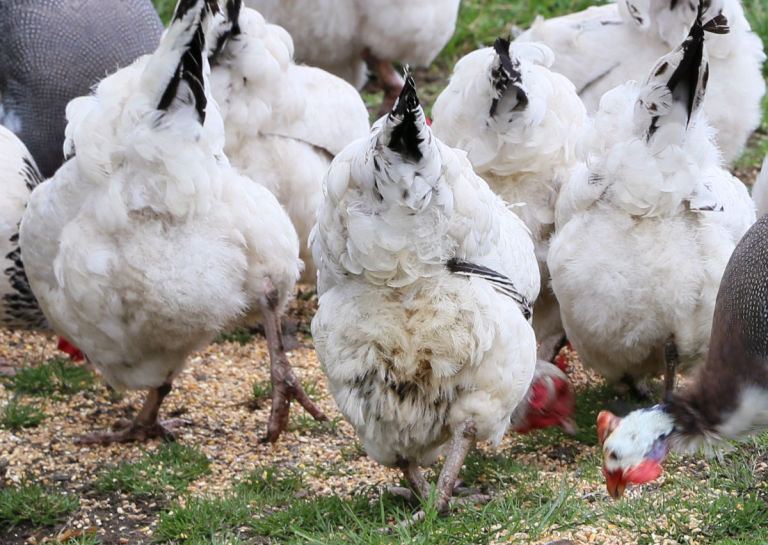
549,402
634,446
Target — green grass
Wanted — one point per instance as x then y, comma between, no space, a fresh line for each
201,520
84,539
34,505
169,469
165,9
261,391
757,15
15,415
272,510
56,378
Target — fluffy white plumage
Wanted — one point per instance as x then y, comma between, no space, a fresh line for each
146,242
401,30
645,228
604,46
520,136
412,350
18,177
284,122
760,189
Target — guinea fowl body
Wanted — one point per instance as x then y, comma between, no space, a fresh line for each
727,400
52,51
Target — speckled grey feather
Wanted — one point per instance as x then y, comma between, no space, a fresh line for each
54,50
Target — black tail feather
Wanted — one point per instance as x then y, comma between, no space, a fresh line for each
507,73
232,9
685,79
190,68
500,282
408,101
405,138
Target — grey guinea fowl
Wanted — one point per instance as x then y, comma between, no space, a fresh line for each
729,398
52,51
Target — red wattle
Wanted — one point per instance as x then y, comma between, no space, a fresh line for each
74,352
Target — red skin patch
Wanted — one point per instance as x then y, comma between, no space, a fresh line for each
74,352
616,481
546,410
606,423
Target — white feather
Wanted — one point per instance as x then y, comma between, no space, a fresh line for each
633,261
394,30
147,242
284,122
525,154
604,46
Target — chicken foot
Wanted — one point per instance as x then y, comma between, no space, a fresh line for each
462,440
419,486
285,384
144,426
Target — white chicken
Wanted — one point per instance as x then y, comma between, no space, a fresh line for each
284,122
19,308
353,33
146,242
18,177
520,124
646,226
604,46
425,281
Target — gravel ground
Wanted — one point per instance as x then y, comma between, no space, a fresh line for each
214,393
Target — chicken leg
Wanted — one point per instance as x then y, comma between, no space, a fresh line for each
462,440
144,426
671,359
285,385
389,79
419,486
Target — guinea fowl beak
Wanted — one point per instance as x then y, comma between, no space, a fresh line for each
615,482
